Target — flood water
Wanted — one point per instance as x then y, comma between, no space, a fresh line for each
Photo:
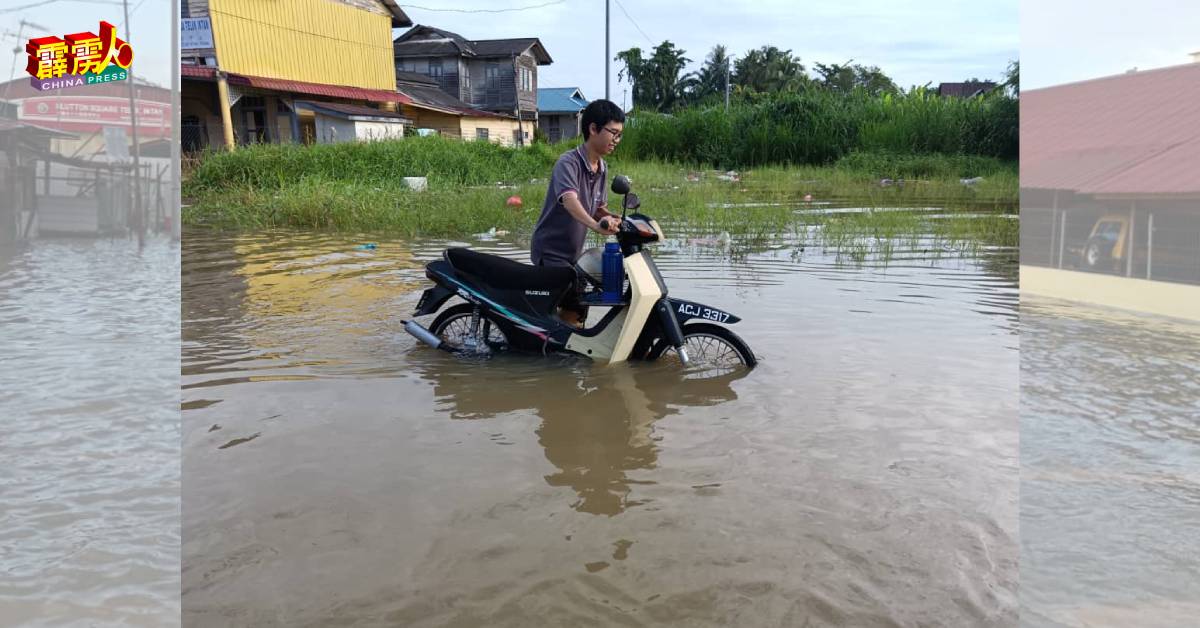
89,458
1110,468
337,473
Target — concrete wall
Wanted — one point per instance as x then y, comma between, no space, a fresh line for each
371,131
331,130
1136,295
500,130
447,125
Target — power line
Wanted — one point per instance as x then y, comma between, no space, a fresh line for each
635,25
45,2
535,6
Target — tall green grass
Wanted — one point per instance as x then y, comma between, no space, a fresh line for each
358,186
445,162
816,127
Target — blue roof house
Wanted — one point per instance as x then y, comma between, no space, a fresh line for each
558,111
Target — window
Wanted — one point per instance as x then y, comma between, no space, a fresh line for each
435,68
492,75
481,134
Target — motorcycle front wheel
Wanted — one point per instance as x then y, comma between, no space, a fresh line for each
711,349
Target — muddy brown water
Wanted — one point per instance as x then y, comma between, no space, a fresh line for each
89,454
1110,468
338,473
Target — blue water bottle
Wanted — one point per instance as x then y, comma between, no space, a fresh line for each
613,269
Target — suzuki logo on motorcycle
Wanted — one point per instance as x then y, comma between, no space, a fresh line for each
703,312
462,292
538,293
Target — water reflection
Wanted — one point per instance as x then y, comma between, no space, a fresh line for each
548,491
597,422
1110,477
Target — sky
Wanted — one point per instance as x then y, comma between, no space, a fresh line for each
913,41
149,22
1072,40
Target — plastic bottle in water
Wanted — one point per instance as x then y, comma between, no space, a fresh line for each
613,266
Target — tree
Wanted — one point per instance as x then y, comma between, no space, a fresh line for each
1012,79
710,79
769,69
657,83
845,78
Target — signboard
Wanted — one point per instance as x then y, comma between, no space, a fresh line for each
79,59
90,114
115,143
195,33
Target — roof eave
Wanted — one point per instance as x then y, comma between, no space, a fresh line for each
399,18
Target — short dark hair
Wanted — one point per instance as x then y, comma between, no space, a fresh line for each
600,112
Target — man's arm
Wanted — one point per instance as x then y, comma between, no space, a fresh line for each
570,200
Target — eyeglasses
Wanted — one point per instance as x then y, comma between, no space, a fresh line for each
616,134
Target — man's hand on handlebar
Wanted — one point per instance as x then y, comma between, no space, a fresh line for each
608,225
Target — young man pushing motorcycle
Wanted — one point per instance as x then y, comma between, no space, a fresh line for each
577,199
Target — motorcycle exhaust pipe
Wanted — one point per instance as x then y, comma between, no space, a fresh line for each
427,337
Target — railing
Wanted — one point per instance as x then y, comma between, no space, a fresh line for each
1159,242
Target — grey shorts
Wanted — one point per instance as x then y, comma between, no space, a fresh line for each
571,301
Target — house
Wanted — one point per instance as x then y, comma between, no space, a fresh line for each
559,110
1120,177
338,122
82,113
433,109
249,67
494,75
969,89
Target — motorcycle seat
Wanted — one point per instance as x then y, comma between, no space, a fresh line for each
504,274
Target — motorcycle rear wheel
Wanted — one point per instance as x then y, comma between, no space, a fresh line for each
453,326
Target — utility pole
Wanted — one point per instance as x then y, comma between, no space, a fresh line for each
607,54
17,52
176,203
137,164
727,63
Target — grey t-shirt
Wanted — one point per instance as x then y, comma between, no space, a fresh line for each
558,238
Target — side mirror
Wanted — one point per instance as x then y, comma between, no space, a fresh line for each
621,184
631,201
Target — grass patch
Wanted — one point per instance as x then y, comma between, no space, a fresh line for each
358,187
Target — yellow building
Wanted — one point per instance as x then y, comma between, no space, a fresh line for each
246,63
431,108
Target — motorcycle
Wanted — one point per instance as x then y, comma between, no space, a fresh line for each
510,306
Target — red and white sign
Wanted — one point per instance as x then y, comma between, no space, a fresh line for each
90,114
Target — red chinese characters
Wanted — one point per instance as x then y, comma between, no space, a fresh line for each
47,57
80,53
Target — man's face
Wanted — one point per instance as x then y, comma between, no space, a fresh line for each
604,139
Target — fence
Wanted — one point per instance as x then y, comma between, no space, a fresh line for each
1157,240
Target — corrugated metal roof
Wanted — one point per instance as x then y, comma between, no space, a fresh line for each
441,42
298,87
965,90
342,109
429,41
333,91
508,47
399,18
197,71
414,78
560,100
1125,134
1173,171
431,97
9,125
